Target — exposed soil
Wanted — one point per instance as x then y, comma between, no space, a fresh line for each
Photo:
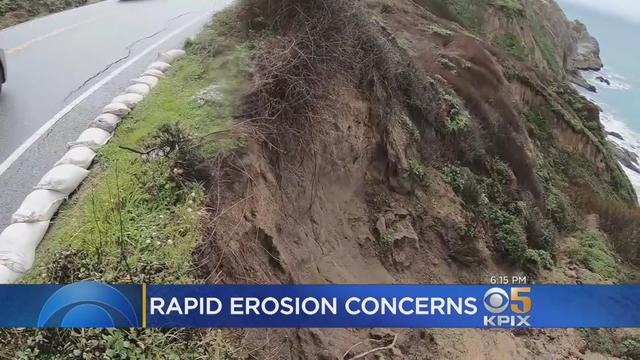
352,189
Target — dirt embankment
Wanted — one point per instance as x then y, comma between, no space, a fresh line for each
13,12
388,145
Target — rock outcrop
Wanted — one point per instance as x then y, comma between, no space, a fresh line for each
627,158
541,33
585,49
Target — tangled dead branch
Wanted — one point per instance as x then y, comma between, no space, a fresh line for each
321,45
391,346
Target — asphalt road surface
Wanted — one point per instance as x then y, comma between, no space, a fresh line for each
64,68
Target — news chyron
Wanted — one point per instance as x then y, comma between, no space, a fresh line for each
497,305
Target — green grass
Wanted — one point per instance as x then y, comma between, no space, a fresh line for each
512,7
13,12
547,50
137,219
459,118
593,253
540,123
130,208
471,12
510,43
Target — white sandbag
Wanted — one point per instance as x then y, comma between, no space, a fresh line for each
80,156
8,276
140,89
106,122
18,243
93,138
160,66
63,178
40,205
129,100
172,56
118,109
155,73
151,81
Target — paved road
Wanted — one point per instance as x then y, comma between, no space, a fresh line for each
63,68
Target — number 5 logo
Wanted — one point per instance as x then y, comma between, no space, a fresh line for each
524,300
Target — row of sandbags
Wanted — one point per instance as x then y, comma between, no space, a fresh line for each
30,222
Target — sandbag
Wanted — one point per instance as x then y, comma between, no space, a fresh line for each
118,109
40,205
129,100
93,138
140,89
106,122
151,81
8,276
160,66
63,178
155,73
171,56
80,156
18,243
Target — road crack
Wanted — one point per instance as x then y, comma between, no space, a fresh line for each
129,49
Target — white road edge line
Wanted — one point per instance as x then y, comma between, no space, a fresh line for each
43,130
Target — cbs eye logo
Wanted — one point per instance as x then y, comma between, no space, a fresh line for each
496,300
88,305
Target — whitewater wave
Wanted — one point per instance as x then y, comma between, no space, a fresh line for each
617,81
620,134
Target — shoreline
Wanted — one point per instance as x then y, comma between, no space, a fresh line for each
619,134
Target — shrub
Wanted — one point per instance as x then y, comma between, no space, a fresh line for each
631,347
486,198
536,259
593,253
599,340
387,239
620,221
36,7
510,43
178,145
501,172
560,209
512,7
418,172
510,234
459,118
605,341
540,124
455,178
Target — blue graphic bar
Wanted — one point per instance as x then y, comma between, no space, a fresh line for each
81,305
95,305
393,306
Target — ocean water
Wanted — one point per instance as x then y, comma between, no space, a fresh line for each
619,40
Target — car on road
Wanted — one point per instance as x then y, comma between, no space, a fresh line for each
3,69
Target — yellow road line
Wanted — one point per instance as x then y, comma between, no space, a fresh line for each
48,35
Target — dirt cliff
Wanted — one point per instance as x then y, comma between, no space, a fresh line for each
535,31
412,142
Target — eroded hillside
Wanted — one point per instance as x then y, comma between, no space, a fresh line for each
338,141
415,142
